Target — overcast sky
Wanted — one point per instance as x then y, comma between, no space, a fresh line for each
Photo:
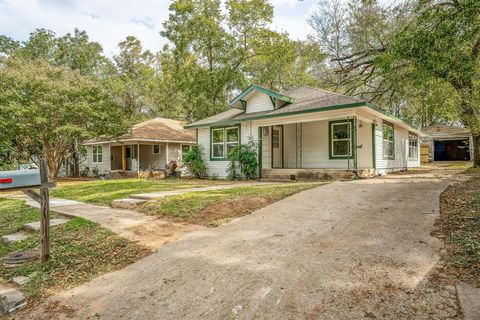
110,21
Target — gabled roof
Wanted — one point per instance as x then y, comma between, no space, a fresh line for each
306,99
155,130
254,87
441,131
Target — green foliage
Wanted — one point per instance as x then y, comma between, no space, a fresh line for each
46,108
243,162
194,161
103,192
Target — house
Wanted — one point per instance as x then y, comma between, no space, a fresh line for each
448,143
308,132
149,145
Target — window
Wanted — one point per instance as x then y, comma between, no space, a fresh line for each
223,141
97,154
388,140
156,149
340,139
412,146
276,138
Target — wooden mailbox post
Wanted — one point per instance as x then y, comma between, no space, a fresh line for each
26,180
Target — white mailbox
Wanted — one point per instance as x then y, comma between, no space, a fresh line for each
29,178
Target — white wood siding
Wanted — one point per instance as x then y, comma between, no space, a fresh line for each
104,166
258,102
267,151
401,150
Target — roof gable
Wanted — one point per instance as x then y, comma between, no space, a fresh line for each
253,87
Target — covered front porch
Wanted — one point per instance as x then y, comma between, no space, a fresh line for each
317,149
128,157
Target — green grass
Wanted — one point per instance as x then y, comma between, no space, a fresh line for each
80,251
191,206
103,192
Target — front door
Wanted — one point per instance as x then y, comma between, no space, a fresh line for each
277,147
128,156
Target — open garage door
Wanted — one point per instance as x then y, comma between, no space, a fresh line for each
452,150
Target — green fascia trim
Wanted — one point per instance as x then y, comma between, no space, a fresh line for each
284,114
244,105
393,140
260,151
329,108
374,153
224,137
262,90
374,107
330,139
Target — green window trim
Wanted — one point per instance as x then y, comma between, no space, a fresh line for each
225,143
386,124
331,156
412,146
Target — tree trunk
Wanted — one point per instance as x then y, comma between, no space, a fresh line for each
476,150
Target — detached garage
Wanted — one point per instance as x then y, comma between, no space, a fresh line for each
449,143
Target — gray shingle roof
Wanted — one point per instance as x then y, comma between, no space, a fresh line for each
306,98
447,132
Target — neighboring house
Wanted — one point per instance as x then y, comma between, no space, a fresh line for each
448,143
149,145
308,132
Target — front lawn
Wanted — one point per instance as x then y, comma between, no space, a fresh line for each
80,251
460,224
216,207
103,192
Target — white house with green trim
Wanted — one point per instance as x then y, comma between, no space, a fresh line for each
307,132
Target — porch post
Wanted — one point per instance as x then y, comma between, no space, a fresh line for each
166,155
138,157
124,157
260,151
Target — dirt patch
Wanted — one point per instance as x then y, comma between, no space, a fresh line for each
223,212
156,233
459,226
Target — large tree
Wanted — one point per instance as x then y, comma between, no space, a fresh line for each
420,58
46,108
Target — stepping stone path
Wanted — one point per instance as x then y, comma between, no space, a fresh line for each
35,226
16,259
10,300
128,203
14,237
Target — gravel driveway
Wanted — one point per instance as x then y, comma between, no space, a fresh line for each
346,250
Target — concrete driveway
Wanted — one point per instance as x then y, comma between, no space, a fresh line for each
346,250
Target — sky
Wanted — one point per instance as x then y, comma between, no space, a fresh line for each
110,21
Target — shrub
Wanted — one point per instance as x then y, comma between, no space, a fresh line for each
243,161
193,160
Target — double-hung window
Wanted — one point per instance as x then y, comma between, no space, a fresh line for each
412,146
97,154
223,140
156,149
340,139
388,145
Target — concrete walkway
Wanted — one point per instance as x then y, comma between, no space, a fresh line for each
346,250
145,230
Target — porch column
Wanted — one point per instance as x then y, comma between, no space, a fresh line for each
166,154
138,157
124,157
